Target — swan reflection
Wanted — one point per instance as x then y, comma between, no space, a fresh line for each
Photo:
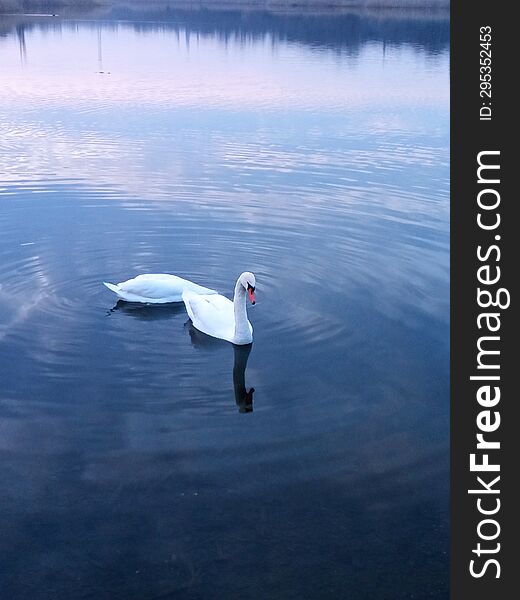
148,312
243,396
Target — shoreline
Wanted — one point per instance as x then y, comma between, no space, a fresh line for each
50,7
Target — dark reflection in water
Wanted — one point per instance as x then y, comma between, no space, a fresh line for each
243,396
148,312
427,30
221,143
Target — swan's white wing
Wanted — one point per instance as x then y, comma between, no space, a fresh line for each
212,314
160,286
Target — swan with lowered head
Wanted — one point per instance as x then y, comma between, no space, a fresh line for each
217,316
156,288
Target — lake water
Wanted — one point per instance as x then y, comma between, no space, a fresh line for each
312,150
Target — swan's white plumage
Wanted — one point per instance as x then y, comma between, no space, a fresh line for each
216,315
157,288
211,314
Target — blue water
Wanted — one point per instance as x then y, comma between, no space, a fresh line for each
136,462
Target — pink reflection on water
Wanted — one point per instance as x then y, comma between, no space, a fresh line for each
85,67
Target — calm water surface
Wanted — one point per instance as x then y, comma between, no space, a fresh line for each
135,461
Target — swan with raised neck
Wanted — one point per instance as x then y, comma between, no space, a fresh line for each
220,317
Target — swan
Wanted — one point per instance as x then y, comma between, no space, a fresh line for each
156,288
217,316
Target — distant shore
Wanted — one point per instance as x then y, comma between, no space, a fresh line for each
53,6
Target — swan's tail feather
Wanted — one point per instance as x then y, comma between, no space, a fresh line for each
112,287
186,297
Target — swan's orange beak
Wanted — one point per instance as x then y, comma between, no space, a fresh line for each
251,293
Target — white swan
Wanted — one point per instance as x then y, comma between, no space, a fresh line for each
219,317
156,288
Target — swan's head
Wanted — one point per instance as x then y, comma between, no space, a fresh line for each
249,282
